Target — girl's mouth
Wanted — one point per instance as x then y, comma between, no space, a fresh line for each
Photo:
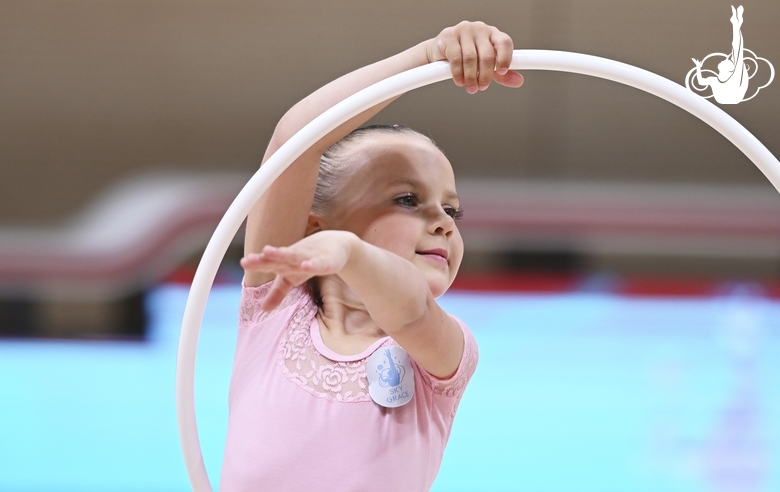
438,255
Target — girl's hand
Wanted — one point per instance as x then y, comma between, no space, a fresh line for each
477,53
322,253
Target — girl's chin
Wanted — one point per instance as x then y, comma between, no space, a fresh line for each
438,287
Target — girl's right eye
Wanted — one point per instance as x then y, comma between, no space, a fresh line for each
407,200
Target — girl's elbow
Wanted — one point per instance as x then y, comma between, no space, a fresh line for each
418,312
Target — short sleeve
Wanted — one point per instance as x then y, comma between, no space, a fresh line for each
456,384
250,314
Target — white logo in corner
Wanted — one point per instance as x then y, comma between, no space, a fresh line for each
729,85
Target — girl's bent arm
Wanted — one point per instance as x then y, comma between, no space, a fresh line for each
392,289
400,301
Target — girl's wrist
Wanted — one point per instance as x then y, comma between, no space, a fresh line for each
351,243
421,53
430,48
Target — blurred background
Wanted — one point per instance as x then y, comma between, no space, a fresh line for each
627,251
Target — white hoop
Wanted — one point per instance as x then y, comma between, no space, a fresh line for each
363,100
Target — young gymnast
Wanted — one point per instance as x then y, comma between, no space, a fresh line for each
347,372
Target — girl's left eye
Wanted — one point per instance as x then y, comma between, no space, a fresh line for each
455,213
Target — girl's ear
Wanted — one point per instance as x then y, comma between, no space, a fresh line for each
314,224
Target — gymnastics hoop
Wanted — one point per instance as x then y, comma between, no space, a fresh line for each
559,61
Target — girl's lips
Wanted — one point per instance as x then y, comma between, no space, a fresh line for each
439,255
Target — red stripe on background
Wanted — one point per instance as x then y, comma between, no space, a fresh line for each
526,282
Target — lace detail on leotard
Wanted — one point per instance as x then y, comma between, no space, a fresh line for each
251,297
335,381
299,360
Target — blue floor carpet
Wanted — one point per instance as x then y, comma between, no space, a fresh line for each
574,393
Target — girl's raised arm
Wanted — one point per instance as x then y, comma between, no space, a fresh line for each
280,217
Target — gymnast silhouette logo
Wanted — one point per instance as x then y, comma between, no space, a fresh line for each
392,373
735,71
390,377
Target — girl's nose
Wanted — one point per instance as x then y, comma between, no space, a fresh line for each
442,223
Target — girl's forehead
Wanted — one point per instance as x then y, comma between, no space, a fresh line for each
423,167
400,155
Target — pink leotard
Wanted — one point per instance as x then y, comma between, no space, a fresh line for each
301,417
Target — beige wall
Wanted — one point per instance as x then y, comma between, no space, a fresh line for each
94,90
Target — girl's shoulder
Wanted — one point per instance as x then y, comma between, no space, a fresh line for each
456,384
299,298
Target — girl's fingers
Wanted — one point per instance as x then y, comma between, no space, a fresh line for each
312,266
255,262
317,266
504,50
509,79
282,269
470,59
455,56
487,62
280,255
284,265
477,53
280,287
249,261
291,266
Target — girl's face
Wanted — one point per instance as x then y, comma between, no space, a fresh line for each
402,198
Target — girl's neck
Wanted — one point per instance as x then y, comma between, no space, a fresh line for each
345,325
